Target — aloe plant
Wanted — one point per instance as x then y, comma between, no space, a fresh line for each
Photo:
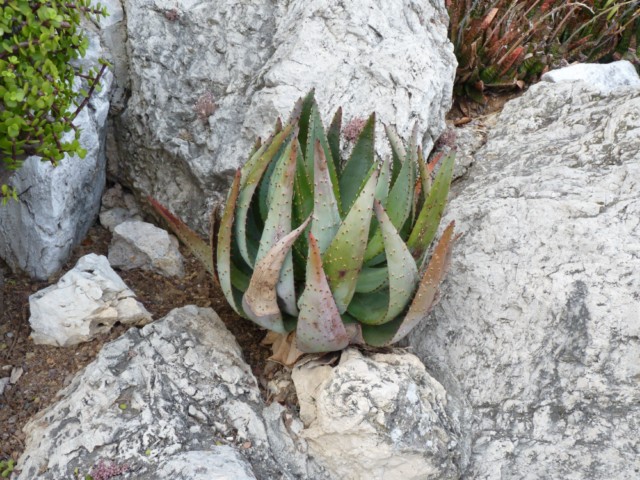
506,43
328,251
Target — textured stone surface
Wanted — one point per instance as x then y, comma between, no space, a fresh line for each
253,60
118,207
58,205
539,324
601,77
378,417
86,302
143,245
161,398
223,463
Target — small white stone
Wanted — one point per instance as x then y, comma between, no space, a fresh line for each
87,301
602,77
143,245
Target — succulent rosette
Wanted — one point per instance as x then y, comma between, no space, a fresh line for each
329,251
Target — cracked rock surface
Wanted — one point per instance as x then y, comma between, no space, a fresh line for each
381,417
539,324
207,78
86,302
172,400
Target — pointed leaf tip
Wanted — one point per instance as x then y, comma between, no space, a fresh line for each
320,327
427,294
200,249
260,301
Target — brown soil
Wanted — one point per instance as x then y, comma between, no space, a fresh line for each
48,369
465,110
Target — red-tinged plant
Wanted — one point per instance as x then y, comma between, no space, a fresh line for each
507,43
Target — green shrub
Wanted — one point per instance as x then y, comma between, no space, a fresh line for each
40,39
507,43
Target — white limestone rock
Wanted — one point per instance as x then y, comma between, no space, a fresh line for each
222,463
143,245
86,302
378,417
58,205
173,398
602,77
539,323
253,60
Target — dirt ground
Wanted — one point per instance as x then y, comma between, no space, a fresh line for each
46,369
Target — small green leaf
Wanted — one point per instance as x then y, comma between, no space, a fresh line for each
398,153
250,179
333,137
317,134
399,202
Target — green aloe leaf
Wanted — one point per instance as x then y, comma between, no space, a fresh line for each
398,204
320,328
260,301
257,152
333,137
403,275
429,217
302,207
303,190
426,296
200,249
250,180
343,259
425,175
326,217
317,134
424,300
379,335
372,279
304,108
278,223
398,153
224,265
355,171
384,181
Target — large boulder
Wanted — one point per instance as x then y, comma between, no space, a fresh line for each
172,400
208,77
539,324
57,205
381,417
